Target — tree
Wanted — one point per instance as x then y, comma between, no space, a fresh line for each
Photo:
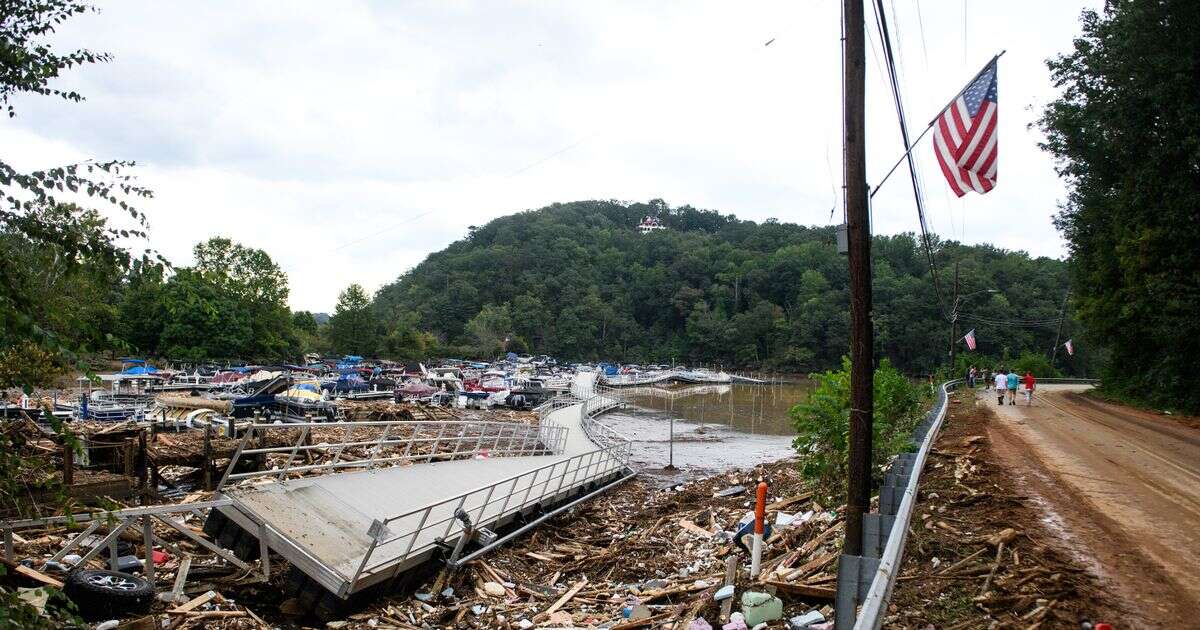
35,214
259,287
202,322
35,207
352,327
1124,135
491,329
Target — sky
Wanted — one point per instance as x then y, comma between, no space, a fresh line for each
351,139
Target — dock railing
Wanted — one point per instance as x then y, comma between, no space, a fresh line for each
366,445
426,527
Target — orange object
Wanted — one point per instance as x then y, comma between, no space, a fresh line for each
760,508
1103,626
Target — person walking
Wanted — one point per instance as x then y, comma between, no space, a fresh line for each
1013,381
1029,384
971,377
1001,385
987,378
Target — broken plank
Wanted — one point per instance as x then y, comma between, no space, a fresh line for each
804,590
198,601
566,597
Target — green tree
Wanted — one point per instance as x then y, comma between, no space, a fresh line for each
35,215
1124,134
202,321
491,329
259,287
353,326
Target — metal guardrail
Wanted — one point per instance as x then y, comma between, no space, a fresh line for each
398,442
884,545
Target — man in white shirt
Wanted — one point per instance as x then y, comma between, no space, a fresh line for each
1001,385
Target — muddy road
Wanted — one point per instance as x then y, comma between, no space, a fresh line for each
1122,486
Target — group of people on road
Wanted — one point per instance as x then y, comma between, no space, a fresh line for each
1006,383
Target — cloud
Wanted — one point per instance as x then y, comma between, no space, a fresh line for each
351,140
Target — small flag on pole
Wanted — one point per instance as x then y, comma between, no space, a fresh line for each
970,339
964,135
1070,348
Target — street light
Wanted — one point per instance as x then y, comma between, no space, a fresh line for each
958,301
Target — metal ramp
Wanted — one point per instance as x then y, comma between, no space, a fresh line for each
351,530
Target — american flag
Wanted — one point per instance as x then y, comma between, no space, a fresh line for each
1070,348
970,339
965,136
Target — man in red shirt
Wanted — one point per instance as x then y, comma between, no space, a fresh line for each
1029,383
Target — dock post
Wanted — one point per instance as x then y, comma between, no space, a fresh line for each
68,464
207,463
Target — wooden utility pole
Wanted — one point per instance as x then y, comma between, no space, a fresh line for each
954,320
862,369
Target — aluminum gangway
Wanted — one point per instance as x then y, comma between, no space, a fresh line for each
348,531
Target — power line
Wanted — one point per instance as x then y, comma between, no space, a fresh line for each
889,56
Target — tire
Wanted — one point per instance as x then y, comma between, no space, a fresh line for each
101,594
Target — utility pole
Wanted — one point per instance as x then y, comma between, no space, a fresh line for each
1062,315
954,320
862,369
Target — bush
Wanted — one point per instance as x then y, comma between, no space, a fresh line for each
822,425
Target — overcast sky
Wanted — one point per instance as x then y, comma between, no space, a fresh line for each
351,139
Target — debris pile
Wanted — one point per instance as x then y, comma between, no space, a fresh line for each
976,555
643,557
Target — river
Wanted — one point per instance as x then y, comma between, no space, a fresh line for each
716,426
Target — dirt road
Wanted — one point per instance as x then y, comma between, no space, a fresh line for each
1123,488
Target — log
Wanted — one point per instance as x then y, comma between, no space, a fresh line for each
194,402
804,590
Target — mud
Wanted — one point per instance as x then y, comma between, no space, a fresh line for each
700,449
1121,486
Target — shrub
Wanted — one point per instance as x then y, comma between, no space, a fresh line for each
822,425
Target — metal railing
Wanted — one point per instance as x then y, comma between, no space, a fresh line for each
865,601
396,442
425,527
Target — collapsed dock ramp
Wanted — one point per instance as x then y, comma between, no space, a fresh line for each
348,531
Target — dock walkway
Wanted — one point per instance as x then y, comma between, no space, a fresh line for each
351,530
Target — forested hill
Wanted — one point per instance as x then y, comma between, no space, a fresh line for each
577,280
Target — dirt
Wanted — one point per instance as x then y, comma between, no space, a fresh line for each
1120,487
970,497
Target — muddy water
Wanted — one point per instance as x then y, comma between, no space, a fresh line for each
716,427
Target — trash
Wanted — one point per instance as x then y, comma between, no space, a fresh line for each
108,625
730,491
524,624
758,607
784,520
699,623
424,597
495,589
478,609
725,592
72,559
737,621
654,585
802,622
448,593
129,564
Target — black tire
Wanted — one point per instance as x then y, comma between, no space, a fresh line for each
101,594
